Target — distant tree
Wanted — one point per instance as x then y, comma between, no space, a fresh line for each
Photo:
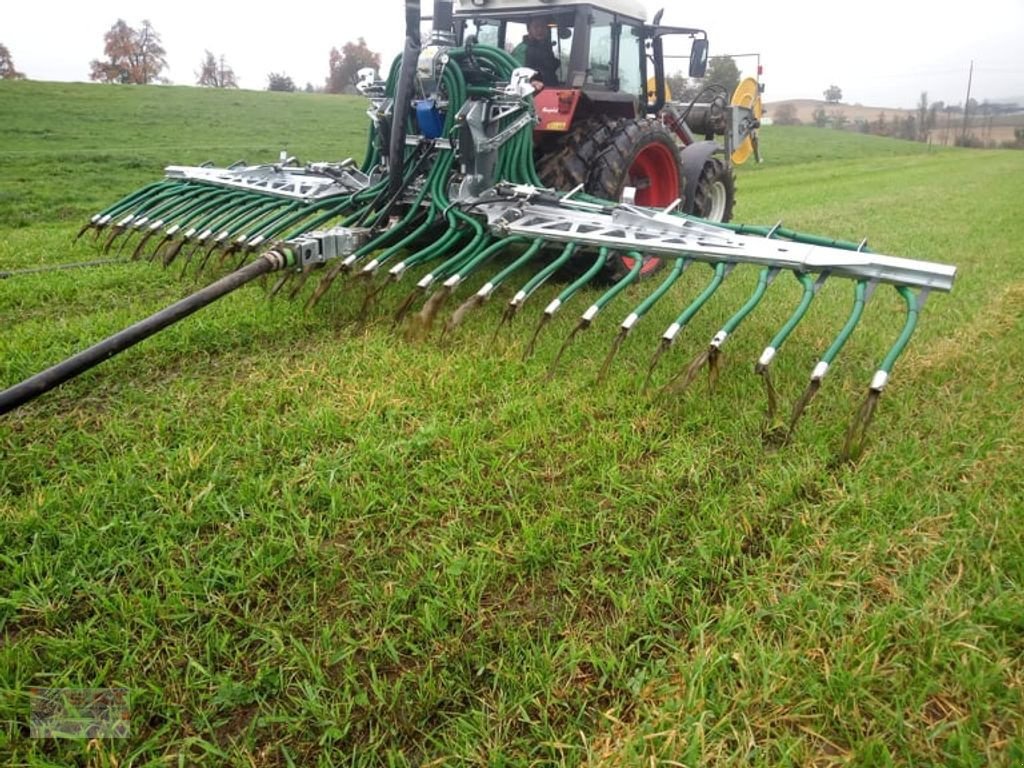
878,127
922,117
785,114
134,56
833,94
968,140
215,73
344,65
677,85
820,117
7,70
908,128
681,88
932,120
279,82
722,71
309,88
838,119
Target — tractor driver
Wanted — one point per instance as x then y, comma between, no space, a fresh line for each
535,51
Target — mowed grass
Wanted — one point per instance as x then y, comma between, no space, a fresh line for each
302,540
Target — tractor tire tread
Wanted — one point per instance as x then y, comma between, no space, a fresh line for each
715,171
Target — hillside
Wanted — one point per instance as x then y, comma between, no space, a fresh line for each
805,109
997,129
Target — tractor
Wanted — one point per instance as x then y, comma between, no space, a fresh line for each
482,171
606,124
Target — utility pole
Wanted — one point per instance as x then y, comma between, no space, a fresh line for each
967,103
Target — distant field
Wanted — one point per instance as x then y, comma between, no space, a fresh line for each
300,540
994,129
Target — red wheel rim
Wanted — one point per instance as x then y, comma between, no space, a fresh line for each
655,175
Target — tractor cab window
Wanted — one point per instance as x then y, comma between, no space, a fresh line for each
599,66
560,38
515,33
563,49
629,60
614,57
487,32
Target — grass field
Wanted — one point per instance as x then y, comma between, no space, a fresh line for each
302,541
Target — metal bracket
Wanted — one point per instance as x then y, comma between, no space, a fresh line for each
306,183
321,246
652,232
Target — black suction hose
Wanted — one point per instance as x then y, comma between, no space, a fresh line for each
53,377
403,96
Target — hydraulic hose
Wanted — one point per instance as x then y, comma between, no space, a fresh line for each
53,377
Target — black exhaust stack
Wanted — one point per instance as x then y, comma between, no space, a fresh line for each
443,16
403,96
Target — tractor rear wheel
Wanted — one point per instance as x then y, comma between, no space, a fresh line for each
606,155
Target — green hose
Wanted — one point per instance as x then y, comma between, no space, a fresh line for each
582,280
791,323
913,312
721,270
542,277
859,298
502,276
764,279
607,297
677,270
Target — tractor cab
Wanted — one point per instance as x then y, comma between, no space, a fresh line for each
606,58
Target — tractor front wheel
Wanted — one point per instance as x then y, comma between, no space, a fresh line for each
716,191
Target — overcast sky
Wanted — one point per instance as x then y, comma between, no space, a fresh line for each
880,53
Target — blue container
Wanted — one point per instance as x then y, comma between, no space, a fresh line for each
429,118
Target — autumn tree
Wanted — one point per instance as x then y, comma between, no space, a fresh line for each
134,56
346,63
215,73
7,70
833,94
279,82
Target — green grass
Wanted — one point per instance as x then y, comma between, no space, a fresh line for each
303,541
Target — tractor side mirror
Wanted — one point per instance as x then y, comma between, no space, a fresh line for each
699,58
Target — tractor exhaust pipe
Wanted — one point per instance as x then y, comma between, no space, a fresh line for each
51,378
443,17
